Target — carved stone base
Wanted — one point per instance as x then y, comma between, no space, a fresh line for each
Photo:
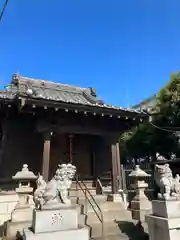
55,224
139,208
22,214
8,201
163,228
139,215
166,209
164,221
13,228
21,218
55,220
82,233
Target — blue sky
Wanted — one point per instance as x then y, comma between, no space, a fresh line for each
125,49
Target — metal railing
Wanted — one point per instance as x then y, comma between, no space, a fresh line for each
89,198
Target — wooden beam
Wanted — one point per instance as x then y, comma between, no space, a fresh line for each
46,156
75,129
81,108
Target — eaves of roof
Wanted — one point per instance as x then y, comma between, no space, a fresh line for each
59,93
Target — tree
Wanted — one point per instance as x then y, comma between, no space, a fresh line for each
167,116
136,142
148,138
167,104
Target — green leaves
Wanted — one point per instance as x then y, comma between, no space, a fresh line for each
137,141
145,140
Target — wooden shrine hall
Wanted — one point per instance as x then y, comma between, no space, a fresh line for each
45,123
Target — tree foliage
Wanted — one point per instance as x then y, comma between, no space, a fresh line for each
168,103
148,138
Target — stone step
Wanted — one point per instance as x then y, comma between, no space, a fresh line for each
79,208
100,199
108,205
110,229
111,211
108,216
125,231
91,205
82,219
74,200
112,237
79,193
88,183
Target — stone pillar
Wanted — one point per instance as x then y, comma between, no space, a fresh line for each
46,155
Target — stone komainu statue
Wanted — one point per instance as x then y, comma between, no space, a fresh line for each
169,186
55,192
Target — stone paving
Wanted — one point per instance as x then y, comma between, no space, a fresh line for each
128,231
123,237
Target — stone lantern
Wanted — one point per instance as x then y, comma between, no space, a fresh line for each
24,177
21,216
140,205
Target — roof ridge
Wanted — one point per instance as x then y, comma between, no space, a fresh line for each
19,77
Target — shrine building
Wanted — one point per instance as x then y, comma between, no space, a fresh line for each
45,123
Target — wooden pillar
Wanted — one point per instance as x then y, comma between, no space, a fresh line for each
118,166
93,155
70,137
46,156
116,170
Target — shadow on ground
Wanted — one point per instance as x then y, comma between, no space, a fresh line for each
133,232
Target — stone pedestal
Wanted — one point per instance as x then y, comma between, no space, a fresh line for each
80,234
8,201
164,222
139,209
140,205
55,224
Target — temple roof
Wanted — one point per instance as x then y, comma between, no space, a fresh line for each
41,89
146,103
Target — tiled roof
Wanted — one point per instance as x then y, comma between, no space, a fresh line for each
41,89
146,103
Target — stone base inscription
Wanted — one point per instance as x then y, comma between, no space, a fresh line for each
55,220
